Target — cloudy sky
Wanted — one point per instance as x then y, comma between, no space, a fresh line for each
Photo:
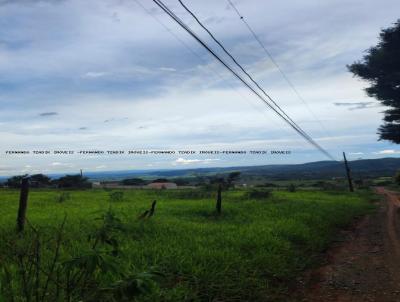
120,75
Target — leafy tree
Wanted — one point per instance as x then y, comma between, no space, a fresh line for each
73,181
397,178
133,182
232,177
381,68
160,180
39,180
15,181
291,188
217,180
181,181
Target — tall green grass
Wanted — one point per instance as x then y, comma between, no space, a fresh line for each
249,253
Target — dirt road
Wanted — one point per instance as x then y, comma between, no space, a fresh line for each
365,265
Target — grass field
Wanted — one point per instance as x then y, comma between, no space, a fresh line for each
185,252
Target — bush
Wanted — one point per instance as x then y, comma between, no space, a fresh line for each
133,182
258,194
192,194
291,188
270,184
116,196
64,196
397,178
15,181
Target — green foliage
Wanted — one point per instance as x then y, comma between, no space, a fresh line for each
64,196
134,285
116,196
73,182
39,180
181,181
160,180
250,252
133,182
190,194
232,177
291,188
15,181
40,267
258,194
381,67
108,232
397,178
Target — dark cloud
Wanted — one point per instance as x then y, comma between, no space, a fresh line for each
357,105
115,119
83,128
3,2
48,114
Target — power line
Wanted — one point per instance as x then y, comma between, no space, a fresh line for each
285,77
204,62
187,29
240,66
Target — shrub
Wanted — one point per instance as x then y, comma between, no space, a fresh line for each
116,196
193,194
291,188
258,194
64,196
397,178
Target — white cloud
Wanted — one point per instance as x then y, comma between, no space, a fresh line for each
389,151
94,74
167,69
58,164
182,161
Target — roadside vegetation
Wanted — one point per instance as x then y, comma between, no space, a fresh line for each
96,245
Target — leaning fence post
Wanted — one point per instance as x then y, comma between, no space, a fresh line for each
219,199
23,202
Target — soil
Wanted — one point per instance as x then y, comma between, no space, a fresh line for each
364,265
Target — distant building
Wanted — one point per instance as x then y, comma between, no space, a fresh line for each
162,185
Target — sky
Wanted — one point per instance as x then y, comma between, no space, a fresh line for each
118,75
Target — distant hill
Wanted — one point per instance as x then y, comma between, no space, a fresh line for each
313,170
365,168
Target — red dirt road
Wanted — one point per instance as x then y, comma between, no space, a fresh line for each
365,266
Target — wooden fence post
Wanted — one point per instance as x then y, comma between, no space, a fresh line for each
23,203
351,189
153,206
219,200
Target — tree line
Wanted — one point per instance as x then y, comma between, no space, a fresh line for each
80,182
43,181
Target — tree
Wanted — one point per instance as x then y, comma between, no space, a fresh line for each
181,181
133,182
160,180
15,181
73,181
381,68
232,177
39,180
397,178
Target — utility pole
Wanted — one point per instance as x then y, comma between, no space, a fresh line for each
348,173
81,173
